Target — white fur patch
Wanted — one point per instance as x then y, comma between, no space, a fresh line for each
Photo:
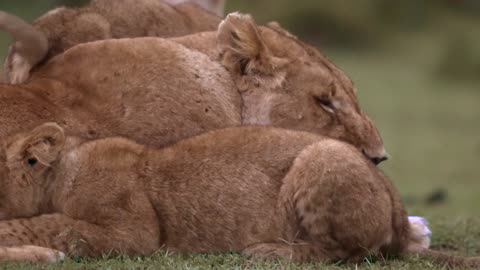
60,256
420,231
259,113
20,69
72,156
54,256
72,162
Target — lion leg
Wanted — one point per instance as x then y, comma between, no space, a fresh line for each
338,203
33,254
78,238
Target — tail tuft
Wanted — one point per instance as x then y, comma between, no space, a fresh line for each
420,233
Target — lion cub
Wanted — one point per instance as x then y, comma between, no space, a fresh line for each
265,192
62,28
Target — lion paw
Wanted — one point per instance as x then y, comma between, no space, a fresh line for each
33,254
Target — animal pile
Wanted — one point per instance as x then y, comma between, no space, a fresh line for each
133,126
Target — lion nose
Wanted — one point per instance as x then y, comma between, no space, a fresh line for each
376,159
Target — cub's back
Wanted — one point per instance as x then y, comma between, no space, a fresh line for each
237,150
230,157
225,182
267,147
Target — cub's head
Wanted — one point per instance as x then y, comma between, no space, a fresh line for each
25,162
287,83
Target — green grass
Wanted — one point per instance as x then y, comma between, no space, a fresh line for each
430,126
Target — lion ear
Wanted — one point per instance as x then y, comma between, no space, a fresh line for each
45,143
242,48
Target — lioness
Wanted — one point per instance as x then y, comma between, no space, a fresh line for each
156,91
63,28
265,192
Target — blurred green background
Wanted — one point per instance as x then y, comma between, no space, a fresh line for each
416,65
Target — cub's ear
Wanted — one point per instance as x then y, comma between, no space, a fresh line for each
45,143
242,48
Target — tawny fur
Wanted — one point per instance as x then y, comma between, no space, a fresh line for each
65,27
156,91
264,192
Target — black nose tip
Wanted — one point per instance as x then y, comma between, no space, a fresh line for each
378,160
375,160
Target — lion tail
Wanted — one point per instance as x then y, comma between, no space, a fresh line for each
31,43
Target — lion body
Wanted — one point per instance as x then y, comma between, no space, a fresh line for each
265,192
158,91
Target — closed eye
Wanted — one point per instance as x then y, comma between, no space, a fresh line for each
326,103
